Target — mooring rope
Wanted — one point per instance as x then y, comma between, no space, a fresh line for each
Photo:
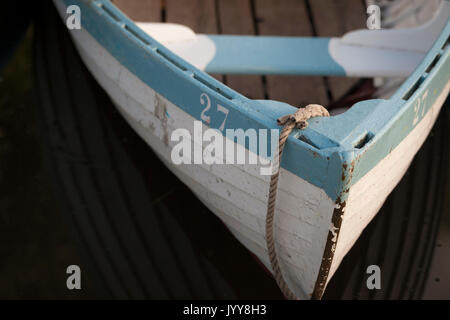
296,120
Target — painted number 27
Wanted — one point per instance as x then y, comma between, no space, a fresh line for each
206,101
419,108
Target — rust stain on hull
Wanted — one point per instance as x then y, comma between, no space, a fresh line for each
161,114
330,247
333,233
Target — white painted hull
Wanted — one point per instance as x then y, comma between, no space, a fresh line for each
368,194
237,194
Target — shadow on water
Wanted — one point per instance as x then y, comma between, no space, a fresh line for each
34,246
131,224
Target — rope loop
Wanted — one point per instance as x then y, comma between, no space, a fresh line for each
297,120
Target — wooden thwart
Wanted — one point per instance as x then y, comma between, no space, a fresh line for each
263,17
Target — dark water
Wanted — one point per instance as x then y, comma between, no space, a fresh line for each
35,245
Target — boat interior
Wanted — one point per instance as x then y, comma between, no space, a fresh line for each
288,46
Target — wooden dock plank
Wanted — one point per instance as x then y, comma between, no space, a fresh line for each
235,17
289,18
199,15
140,10
333,19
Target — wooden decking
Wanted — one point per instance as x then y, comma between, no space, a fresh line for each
264,17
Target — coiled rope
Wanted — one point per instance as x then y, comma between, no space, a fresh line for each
297,120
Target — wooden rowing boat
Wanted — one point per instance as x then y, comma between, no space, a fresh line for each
335,175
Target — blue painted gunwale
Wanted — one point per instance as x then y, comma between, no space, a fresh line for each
329,159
